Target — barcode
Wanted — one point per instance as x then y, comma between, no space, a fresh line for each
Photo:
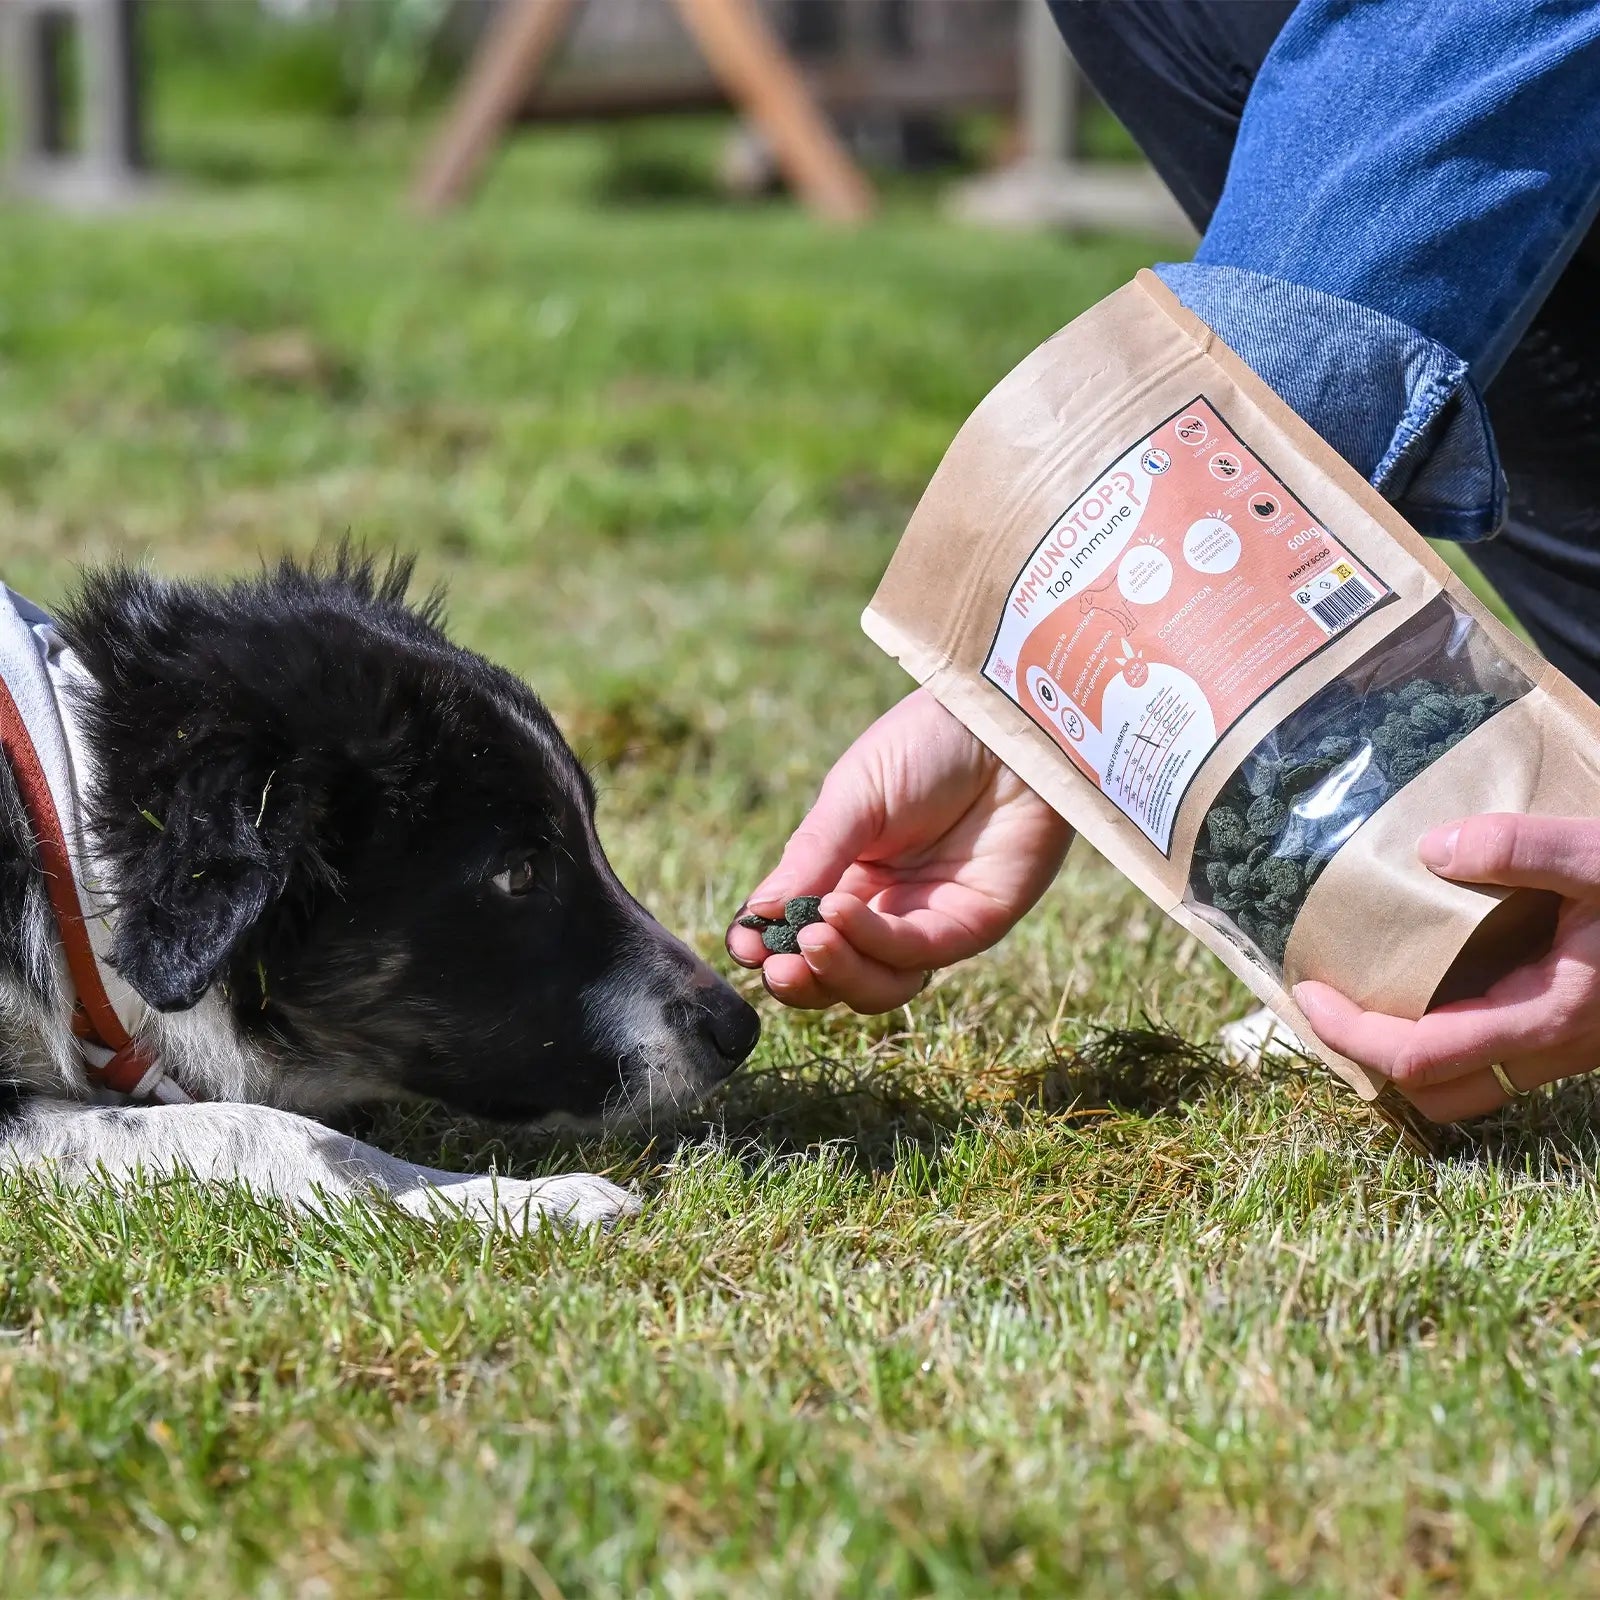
1344,605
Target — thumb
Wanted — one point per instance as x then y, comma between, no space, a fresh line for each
1518,852
846,819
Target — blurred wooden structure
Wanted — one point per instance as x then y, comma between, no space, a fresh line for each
798,69
84,150
1051,183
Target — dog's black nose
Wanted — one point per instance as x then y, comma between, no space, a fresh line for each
733,1026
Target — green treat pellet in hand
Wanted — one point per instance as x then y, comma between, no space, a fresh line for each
780,939
751,920
803,910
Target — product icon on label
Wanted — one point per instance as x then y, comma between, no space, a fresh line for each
1192,430
1135,669
1211,546
1263,506
1144,575
1061,711
1155,461
1225,466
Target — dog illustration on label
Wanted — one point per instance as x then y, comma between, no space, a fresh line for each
1108,601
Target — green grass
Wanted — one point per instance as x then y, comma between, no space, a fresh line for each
976,1298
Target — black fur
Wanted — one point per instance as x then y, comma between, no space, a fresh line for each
306,792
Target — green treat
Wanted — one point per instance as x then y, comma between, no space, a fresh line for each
1217,874
1436,714
780,939
1278,879
1337,747
1411,693
1403,768
1300,780
1264,778
751,920
803,910
1227,829
1270,937
1395,732
1266,814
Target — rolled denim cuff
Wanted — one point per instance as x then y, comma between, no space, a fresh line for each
1397,405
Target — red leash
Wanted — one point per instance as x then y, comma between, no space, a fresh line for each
131,1069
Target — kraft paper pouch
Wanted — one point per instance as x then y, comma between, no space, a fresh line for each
1178,615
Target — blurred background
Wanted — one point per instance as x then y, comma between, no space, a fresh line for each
642,322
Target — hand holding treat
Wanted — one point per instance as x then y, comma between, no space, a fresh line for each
781,935
923,849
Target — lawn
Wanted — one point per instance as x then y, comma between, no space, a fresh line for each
1010,1292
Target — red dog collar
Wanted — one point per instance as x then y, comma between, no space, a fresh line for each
114,1060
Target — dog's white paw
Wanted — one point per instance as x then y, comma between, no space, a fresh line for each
1252,1039
520,1205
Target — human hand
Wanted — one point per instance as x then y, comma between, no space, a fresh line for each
925,849
1538,1023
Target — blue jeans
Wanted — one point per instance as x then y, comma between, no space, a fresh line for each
1391,262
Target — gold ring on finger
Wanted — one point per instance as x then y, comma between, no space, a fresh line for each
1503,1078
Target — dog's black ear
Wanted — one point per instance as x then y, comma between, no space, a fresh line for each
197,880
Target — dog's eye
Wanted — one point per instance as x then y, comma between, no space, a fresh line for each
521,877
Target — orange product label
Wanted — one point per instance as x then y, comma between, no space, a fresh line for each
1163,603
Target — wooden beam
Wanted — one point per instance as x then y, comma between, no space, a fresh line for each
765,84
514,50
745,57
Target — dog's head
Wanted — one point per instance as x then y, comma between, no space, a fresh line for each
377,851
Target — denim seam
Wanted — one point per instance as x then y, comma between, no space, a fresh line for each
1451,524
1422,412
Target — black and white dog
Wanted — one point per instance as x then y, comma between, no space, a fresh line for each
325,856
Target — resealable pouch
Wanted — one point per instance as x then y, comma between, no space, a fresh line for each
1187,623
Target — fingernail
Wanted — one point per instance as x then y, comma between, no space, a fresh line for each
814,949
771,894
1438,849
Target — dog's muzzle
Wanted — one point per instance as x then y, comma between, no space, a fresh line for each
724,1018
